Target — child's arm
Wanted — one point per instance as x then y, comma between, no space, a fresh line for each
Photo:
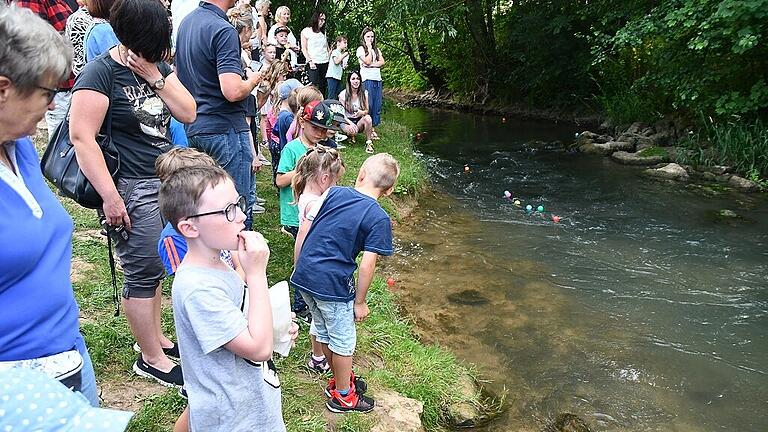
172,249
303,230
284,179
255,342
364,278
238,267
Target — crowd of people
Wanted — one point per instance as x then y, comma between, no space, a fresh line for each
190,94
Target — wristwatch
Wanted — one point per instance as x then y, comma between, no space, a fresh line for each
157,85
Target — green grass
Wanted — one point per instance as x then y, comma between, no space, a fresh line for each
742,145
386,340
653,151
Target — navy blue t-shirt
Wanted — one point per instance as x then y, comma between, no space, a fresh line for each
347,223
208,46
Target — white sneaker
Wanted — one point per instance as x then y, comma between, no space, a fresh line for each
264,161
339,137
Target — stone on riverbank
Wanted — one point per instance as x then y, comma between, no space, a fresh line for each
638,158
464,413
396,413
671,171
605,149
742,184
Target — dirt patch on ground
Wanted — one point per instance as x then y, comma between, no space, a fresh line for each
89,235
80,270
128,395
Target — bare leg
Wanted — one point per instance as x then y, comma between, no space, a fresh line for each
350,130
182,424
366,124
140,313
164,341
328,354
317,347
342,370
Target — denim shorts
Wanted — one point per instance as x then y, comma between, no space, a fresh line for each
142,267
334,324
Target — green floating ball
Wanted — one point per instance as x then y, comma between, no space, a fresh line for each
529,207
540,208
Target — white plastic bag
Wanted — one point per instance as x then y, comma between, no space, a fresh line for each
280,300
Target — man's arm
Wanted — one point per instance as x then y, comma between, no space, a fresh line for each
234,88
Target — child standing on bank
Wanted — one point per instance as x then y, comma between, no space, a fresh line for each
339,60
225,342
349,221
319,169
315,118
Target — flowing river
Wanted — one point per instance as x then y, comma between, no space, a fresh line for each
641,310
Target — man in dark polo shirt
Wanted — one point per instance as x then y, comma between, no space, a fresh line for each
208,64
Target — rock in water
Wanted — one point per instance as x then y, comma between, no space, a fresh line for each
397,413
465,413
627,158
670,171
743,184
567,422
468,297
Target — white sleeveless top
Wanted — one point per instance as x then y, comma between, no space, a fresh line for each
367,73
317,45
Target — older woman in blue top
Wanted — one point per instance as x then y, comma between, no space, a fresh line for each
39,318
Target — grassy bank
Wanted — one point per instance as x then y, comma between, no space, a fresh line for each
739,144
388,355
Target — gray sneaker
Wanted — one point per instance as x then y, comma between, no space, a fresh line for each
260,201
257,209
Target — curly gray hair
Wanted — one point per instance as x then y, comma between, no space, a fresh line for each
30,49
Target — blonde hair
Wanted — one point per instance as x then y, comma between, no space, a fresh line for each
304,96
381,170
240,17
317,161
178,158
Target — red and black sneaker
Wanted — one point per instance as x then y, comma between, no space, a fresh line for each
355,382
352,402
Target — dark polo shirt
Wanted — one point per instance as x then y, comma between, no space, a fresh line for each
208,46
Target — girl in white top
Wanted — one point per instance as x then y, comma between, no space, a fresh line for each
314,45
316,172
339,60
371,62
282,18
355,100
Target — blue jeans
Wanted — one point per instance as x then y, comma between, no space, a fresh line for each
232,150
334,88
374,100
88,376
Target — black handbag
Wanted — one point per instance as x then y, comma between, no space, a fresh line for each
60,167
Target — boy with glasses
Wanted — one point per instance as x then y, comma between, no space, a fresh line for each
225,334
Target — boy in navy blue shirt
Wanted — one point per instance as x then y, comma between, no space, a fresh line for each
348,222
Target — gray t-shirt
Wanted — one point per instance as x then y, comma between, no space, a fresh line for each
226,392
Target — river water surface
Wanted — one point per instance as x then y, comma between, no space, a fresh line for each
641,310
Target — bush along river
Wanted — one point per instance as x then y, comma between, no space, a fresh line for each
643,308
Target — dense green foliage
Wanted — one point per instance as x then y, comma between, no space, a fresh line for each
636,60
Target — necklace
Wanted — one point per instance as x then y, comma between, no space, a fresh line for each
120,51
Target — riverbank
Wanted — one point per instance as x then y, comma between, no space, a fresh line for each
415,384
432,99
